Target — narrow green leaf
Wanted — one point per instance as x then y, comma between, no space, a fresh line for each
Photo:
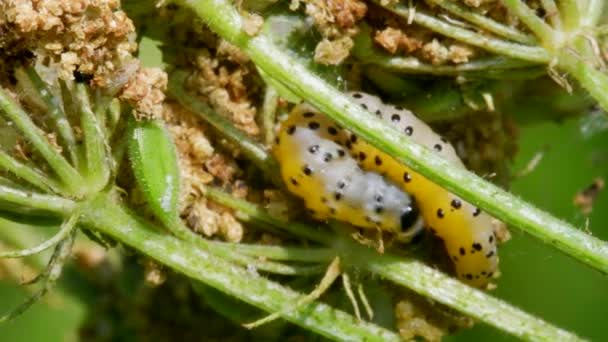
154,160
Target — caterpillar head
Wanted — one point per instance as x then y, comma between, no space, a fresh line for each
412,223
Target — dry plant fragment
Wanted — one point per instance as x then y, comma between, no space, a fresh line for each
333,52
393,40
145,92
584,199
92,37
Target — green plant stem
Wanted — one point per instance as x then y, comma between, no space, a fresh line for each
475,303
552,14
19,235
493,67
27,201
570,13
484,22
222,18
310,254
580,67
252,150
29,174
514,50
541,29
98,170
252,262
49,276
66,228
106,216
69,176
269,111
247,211
592,15
64,129
434,284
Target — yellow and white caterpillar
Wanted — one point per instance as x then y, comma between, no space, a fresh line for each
340,176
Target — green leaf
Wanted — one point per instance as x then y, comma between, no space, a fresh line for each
154,160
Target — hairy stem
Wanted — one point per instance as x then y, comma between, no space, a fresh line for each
69,176
56,114
484,22
541,29
30,202
106,216
431,283
434,284
66,228
29,174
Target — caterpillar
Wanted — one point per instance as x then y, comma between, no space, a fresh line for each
323,164
318,169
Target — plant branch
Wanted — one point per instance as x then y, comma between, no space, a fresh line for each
541,29
69,176
29,174
432,283
310,254
27,201
247,211
104,215
66,228
552,13
56,114
475,303
484,22
98,170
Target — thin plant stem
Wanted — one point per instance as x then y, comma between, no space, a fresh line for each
58,117
49,276
29,174
66,228
269,111
514,50
434,284
541,29
105,216
227,253
27,201
475,303
247,211
570,13
98,168
19,235
552,14
593,13
222,18
68,175
492,67
484,22
310,254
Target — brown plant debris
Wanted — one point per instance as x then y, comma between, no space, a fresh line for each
91,37
584,199
145,92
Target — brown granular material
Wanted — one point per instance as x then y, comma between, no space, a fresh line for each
225,88
92,37
146,92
